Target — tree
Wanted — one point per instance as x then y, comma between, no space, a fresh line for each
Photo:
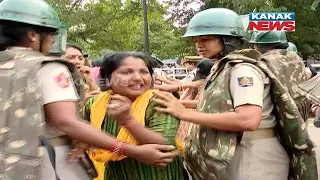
181,11
306,36
118,26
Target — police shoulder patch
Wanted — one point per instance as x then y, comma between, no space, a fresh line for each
245,81
62,80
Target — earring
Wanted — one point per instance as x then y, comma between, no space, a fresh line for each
33,39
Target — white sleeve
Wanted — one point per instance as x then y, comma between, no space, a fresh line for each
246,86
56,83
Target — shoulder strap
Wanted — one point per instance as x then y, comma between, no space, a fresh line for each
249,56
246,55
257,68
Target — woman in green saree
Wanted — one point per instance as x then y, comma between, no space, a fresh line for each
125,111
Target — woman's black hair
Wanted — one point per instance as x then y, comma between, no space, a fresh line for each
204,69
73,45
112,62
232,43
98,61
15,33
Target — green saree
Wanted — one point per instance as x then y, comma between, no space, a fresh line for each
131,169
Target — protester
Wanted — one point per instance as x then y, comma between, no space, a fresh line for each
126,112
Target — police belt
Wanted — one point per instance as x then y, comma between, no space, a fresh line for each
59,141
49,144
261,133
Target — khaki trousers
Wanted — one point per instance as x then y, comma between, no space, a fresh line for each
64,169
259,158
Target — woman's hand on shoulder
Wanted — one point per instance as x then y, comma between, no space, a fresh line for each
170,104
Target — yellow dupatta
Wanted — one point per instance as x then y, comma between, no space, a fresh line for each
97,115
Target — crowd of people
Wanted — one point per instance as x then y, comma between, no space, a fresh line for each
235,116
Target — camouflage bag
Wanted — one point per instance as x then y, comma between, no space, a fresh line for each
209,151
286,71
21,113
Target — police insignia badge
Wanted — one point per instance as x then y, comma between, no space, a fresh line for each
245,81
62,80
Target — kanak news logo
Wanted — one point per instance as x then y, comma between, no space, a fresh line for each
269,21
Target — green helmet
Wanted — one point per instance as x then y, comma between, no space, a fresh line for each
215,21
60,42
34,12
292,47
38,13
269,37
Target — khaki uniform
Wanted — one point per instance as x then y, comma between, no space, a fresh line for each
35,80
52,88
225,155
254,154
57,85
52,91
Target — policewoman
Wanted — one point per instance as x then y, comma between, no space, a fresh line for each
234,136
38,91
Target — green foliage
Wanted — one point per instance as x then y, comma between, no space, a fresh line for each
306,36
113,25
